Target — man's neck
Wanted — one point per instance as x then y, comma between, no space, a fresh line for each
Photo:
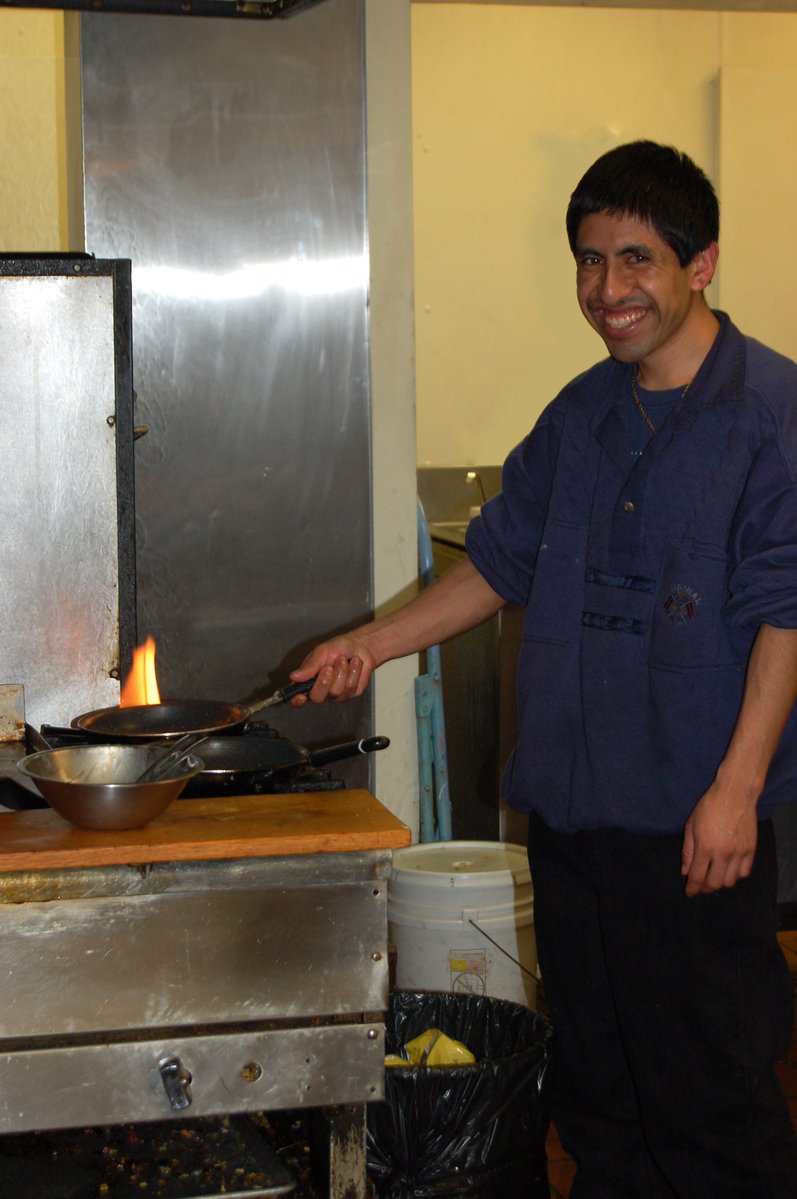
677,363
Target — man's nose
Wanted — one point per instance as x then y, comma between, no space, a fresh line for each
614,283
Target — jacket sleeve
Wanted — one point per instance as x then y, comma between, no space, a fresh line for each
502,542
762,582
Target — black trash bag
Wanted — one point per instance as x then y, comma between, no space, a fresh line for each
463,1130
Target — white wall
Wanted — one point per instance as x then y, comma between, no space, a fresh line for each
388,84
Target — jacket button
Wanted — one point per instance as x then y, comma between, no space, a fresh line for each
628,506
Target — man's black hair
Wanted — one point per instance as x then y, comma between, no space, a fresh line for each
656,184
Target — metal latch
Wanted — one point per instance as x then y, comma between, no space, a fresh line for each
176,1082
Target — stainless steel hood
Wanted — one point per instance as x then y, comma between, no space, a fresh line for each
227,163
263,10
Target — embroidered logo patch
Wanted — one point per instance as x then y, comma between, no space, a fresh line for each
682,603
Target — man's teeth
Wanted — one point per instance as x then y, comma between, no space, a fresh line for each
623,321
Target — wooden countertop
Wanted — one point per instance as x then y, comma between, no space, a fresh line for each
248,826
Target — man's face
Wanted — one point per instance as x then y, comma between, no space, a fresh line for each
633,290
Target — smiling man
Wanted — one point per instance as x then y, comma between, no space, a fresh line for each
646,305
648,525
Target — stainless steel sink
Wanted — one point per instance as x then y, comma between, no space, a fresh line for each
450,531
456,526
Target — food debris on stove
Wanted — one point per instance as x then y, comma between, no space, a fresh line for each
193,1159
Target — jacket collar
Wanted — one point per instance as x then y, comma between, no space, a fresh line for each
720,379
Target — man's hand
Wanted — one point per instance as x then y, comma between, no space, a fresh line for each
719,840
343,667
721,833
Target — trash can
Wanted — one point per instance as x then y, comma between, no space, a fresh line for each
475,1130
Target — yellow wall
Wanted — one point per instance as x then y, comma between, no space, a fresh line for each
510,105
758,175
33,140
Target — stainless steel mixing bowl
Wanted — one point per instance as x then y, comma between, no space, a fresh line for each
93,786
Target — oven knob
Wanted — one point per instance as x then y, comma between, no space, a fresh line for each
176,1082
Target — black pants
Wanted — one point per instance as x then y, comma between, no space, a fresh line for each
669,1014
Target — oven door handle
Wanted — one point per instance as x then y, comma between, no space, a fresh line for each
176,1083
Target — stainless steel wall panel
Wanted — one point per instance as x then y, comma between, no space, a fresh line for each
227,160
59,502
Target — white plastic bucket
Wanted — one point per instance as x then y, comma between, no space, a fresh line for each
461,917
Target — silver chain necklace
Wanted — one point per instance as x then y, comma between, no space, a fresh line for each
638,402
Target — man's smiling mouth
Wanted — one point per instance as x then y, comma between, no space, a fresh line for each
623,320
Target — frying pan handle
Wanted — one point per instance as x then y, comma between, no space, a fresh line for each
287,693
334,753
282,696
169,759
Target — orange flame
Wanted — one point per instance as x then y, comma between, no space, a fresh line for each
141,685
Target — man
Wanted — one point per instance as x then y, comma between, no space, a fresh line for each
648,524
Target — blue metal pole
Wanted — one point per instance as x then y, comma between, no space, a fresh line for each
435,820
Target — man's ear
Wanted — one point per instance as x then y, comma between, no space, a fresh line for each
703,266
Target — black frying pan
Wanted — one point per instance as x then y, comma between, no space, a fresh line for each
270,754
248,764
146,722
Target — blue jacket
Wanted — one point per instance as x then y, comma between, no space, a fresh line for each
644,585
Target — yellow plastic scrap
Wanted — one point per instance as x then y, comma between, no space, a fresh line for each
432,1048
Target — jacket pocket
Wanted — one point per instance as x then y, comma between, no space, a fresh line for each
687,627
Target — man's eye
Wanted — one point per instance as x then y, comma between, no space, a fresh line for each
588,260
